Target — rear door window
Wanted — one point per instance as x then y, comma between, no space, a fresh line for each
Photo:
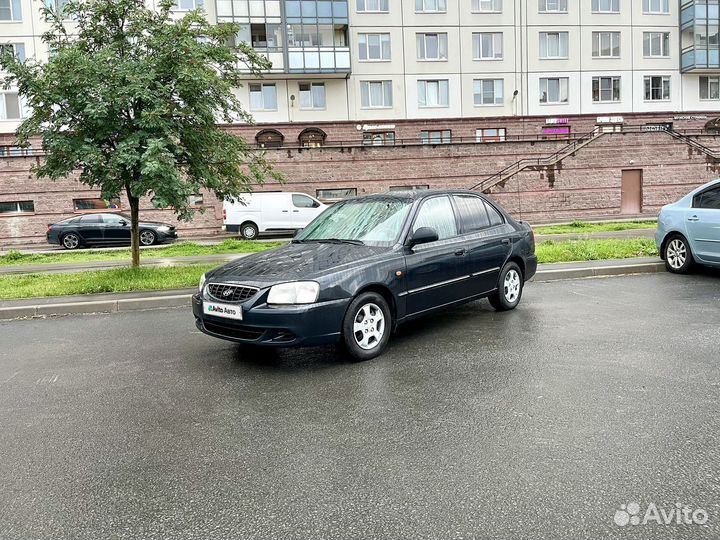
494,215
471,213
709,199
437,213
89,220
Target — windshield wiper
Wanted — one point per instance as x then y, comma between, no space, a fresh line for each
340,241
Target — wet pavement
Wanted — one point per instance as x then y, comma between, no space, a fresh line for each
538,423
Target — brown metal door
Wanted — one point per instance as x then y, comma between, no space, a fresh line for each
631,200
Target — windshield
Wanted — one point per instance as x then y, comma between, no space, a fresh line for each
374,222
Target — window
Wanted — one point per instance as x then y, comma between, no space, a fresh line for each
656,44
438,214
709,199
195,200
436,136
552,6
433,93
263,97
94,219
11,106
657,88
488,91
376,94
709,87
432,47
606,6
335,194
110,219
312,137
95,204
266,36
187,5
17,49
471,213
374,46
656,6
553,45
10,10
554,90
372,6
487,46
422,187
269,138
606,44
487,6
494,215
605,89
430,6
17,207
486,135
379,138
303,201
312,95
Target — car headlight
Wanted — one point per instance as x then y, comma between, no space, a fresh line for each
163,228
202,284
298,292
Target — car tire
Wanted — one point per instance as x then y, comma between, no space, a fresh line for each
249,231
509,288
367,326
677,254
70,241
147,238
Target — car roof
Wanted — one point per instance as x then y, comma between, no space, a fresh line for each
414,195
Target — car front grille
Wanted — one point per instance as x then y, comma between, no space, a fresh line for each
231,293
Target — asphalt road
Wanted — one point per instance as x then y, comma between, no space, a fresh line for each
534,424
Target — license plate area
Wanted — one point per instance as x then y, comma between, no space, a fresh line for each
226,311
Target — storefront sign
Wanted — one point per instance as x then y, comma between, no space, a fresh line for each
663,126
610,120
378,127
556,121
691,117
556,131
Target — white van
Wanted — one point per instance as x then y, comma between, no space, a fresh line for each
255,213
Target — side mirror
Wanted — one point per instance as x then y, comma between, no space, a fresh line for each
123,223
423,235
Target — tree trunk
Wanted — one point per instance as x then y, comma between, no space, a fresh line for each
134,228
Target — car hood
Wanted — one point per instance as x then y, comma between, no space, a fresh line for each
294,262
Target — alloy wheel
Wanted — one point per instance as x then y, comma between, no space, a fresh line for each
676,254
147,238
511,286
369,326
71,241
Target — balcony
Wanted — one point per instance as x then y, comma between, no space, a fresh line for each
700,36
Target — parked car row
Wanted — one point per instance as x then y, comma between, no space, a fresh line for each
105,229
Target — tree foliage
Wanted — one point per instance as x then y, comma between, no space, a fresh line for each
131,99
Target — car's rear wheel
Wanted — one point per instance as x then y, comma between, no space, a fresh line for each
509,288
71,241
367,326
677,255
249,231
147,238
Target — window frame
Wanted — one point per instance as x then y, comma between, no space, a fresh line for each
663,10
543,6
440,84
708,78
385,85
310,85
77,210
14,17
613,79
482,138
596,39
426,136
3,106
561,35
19,211
197,3
366,47
598,9
664,45
478,47
476,6
423,36
370,138
560,90
379,3
481,93
321,197
663,78
262,86
426,10
697,199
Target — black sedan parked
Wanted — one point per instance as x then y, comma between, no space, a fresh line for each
366,265
105,229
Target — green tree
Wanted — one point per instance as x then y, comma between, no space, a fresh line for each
131,99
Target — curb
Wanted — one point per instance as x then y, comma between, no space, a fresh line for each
183,300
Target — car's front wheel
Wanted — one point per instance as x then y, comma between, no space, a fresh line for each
367,326
509,289
249,231
147,238
71,241
677,255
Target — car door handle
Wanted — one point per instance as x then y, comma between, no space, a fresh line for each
296,210
506,241
460,252
285,211
693,218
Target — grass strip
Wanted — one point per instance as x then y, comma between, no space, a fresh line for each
582,227
551,251
180,249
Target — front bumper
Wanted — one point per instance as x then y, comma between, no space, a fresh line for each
165,236
276,326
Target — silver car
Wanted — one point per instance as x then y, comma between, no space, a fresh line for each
689,230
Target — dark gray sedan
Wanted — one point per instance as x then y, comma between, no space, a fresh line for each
105,229
366,265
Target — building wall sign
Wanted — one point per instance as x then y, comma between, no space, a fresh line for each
557,121
662,126
610,120
376,127
691,117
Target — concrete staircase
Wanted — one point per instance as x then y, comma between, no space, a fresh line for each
695,144
501,177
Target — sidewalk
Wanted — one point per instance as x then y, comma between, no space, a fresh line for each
132,301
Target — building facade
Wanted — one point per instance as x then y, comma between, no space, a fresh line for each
369,95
